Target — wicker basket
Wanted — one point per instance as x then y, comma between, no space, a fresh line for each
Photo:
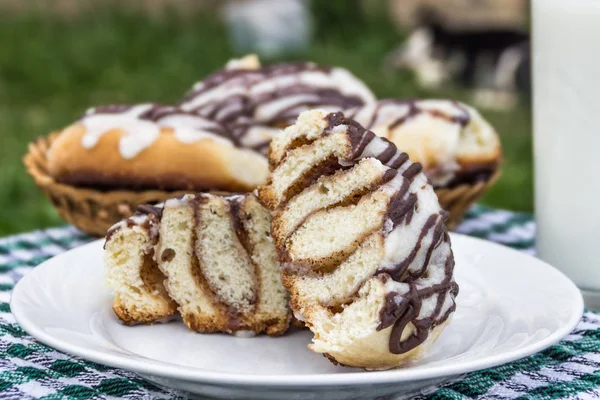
457,200
91,211
94,211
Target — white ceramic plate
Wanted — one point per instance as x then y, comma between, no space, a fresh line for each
510,306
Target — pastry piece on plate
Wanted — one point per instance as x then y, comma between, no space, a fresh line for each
459,150
220,263
365,251
216,258
132,272
148,146
255,102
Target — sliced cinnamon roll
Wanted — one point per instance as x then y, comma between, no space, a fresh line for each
132,272
365,252
219,260
208,256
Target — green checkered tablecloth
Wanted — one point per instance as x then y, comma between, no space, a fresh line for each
30,370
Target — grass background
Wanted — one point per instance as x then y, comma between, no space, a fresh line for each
53,68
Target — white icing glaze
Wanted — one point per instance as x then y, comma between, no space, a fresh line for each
98,124
177,202
435,276
374,148
250,61
141,133
394,185
350,85
400,242
254,84
257,135
229,89
189,128
269,110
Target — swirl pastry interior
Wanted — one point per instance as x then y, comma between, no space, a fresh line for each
208,256
365,252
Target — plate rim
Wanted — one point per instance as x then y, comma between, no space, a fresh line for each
197,375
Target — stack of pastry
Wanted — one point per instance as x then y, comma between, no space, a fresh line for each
352,223
255,102
112,159
365,252
208,256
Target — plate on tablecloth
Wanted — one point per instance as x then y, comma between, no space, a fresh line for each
510,305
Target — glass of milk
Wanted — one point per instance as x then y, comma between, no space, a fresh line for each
566,78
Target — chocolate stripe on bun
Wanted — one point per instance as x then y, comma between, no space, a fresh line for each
255,102
367,259
452,140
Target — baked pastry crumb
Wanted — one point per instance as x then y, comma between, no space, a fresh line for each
216,258
366,255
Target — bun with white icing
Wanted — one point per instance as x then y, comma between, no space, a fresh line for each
255,102
152,147
215,256
365,253
451,140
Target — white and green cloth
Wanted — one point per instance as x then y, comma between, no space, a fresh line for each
30,370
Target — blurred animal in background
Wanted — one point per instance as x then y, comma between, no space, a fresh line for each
268,27
469,42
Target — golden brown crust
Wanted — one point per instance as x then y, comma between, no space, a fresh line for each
207,324
296,323
492,158
90,210
267,197
134,317
167,164
140,295
126,318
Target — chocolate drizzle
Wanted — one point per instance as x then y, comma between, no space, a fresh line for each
410,275
413,108
473,174
152,216
398,160
158,113
392,114
360,138
150,209
238,97
400,310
